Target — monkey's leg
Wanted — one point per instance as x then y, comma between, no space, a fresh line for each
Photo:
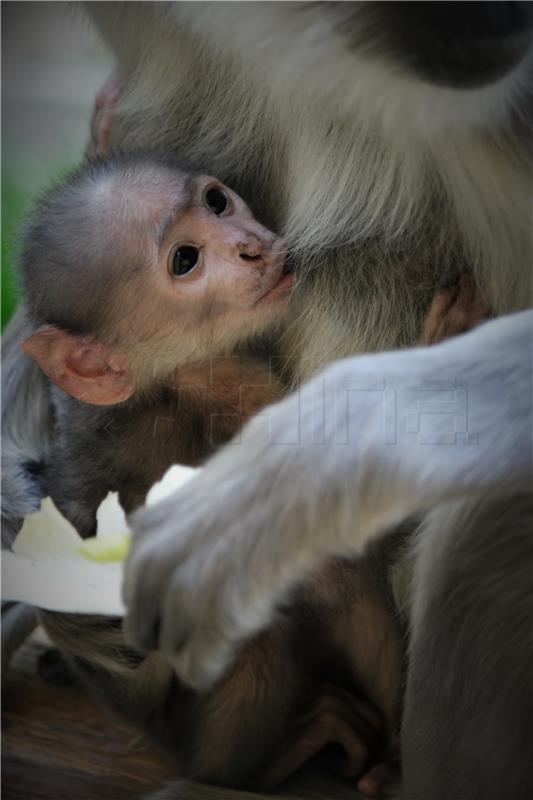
468,724
263,744
366,629
238,726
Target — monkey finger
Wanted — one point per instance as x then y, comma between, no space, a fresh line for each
102,118
386,771
325,728
296,756
359,707
103,123
334,712
470,308
443,300
108,95
466,310
373,782
362,718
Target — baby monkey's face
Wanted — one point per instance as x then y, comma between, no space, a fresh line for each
213,261
197,275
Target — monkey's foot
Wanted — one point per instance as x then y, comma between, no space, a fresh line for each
454,310
338,717
102,119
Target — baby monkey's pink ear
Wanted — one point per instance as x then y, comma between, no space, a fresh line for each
80,366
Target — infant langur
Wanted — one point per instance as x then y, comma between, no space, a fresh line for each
149,285
143,279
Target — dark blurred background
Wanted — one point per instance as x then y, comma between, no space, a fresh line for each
52,67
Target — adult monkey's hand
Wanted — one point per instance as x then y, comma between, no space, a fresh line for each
361,446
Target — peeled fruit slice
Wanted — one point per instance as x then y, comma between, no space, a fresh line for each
112,547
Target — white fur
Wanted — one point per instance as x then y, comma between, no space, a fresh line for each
395,145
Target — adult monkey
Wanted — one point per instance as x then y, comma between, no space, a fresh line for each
390,141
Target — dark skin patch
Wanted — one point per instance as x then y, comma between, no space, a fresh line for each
461,45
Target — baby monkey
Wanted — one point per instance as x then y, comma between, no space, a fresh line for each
144,278
149,284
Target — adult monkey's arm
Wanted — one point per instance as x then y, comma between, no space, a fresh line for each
363,445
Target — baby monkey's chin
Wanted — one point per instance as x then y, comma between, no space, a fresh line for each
280,291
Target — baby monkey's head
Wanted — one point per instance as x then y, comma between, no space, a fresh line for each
137,265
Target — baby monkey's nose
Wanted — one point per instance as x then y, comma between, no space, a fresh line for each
252,248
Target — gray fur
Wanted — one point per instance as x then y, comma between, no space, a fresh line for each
181,574
473,616
27,424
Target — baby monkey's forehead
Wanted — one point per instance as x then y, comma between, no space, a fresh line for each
161,186
152,197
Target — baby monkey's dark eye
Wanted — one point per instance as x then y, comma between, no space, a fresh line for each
216,201
185,259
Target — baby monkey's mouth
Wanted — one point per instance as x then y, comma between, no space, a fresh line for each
284,281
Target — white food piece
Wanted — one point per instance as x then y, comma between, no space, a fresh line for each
173,478
46,569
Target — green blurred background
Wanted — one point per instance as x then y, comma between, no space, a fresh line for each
13,204
52,67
